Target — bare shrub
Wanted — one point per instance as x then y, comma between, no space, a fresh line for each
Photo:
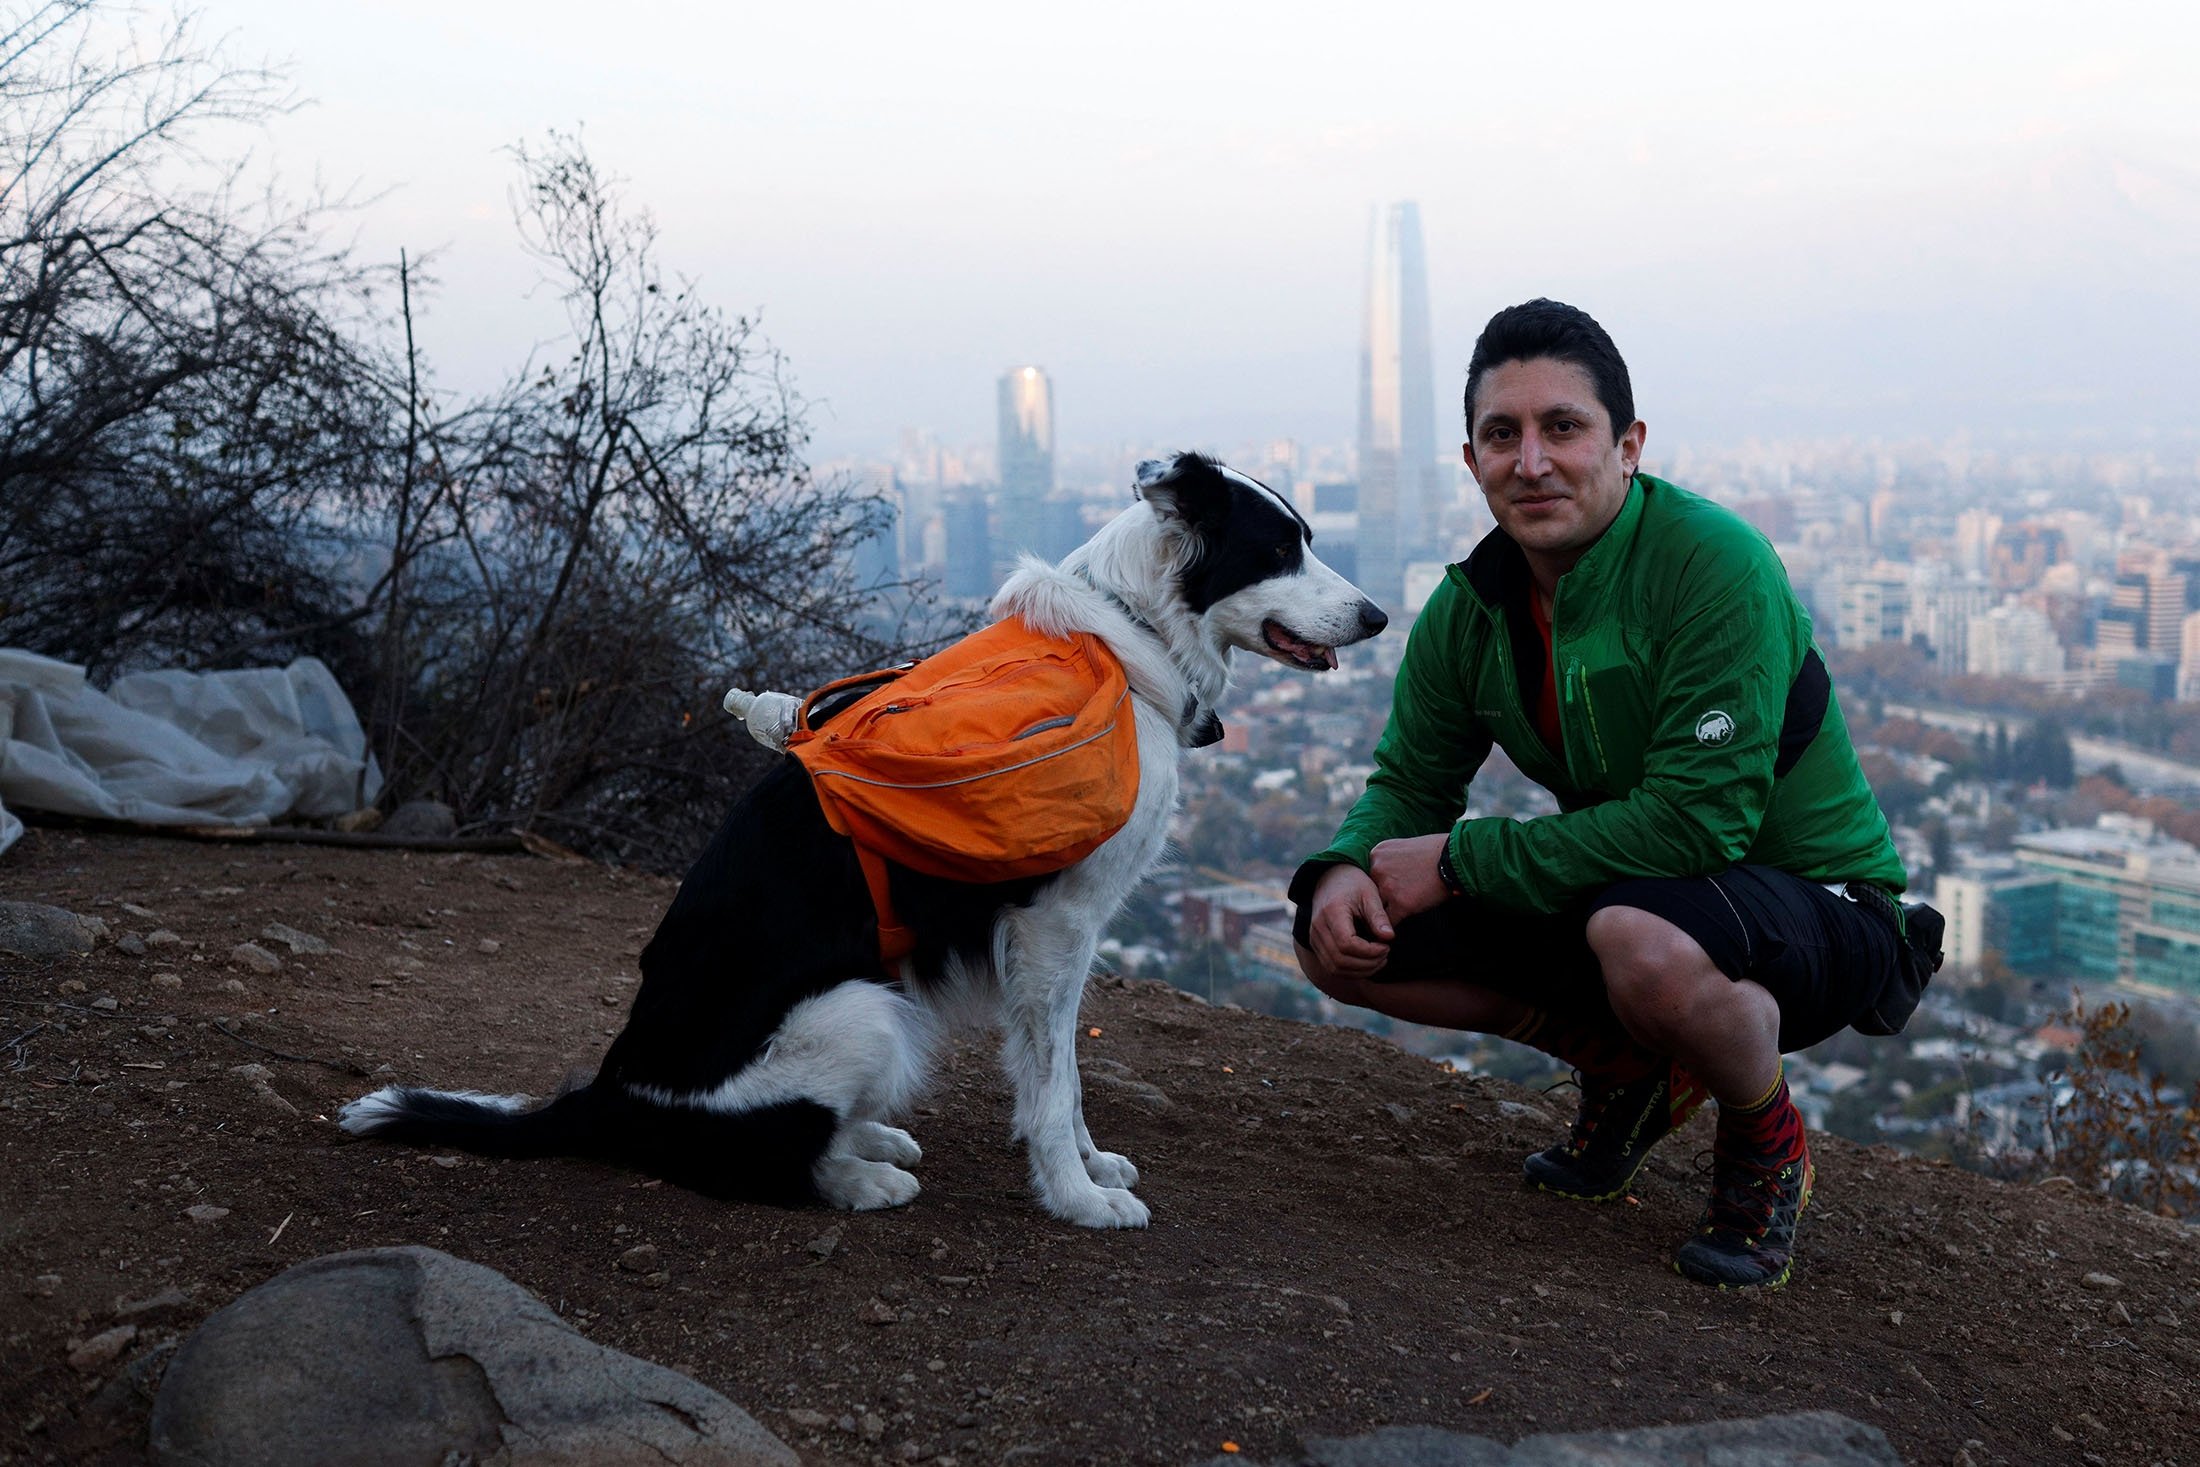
186,405
218,446
2108,1122
597,551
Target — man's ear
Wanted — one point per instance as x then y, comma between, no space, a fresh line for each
1630,445
1466,454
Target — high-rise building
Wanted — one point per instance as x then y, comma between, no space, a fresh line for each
1027,463
969,547
1399,495
2013,641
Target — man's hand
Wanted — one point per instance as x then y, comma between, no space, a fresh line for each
1405,875
1351,932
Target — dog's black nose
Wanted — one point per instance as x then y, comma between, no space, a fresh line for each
1372,619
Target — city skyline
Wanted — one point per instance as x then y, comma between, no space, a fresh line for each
1894,222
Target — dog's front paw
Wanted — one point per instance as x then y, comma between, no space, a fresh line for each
1108,1169
1099,1207
874,1141
864,1186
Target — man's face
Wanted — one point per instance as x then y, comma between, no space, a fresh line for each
1541,447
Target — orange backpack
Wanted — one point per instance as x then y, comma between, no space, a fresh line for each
1008,754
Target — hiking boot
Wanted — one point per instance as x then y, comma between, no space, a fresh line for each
1746,1239
1613,1133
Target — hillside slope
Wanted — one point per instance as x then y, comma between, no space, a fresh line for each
1340,1239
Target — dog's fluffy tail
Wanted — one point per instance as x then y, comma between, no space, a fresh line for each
763,1155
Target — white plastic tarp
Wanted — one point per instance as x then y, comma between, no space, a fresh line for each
179,748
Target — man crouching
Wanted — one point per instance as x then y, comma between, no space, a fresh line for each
1719,885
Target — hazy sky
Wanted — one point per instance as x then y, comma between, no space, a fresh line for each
1882,220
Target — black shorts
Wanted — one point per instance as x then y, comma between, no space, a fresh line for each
1824,958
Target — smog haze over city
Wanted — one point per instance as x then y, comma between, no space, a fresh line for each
1880,223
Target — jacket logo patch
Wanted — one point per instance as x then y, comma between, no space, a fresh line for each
1715,727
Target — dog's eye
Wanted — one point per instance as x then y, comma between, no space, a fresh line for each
1283,555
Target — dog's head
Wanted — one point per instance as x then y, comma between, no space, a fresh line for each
1246,567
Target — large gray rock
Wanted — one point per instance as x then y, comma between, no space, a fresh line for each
35,930
1804,1439
409,1356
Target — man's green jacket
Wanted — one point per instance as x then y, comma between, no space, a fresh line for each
1700,728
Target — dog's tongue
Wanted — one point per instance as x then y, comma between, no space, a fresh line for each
1284,642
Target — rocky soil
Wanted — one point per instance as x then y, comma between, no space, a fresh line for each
1340,1240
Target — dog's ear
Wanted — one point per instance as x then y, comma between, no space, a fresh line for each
1184,488
1152,471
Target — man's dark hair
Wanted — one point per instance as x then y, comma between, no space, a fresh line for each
1547,328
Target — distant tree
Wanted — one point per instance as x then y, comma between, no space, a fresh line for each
1940,846
2042,754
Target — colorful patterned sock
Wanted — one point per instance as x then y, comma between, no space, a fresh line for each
1770,1125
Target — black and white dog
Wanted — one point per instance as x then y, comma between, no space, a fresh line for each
767,1052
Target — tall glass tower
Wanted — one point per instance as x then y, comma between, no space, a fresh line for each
1027,461
1399,497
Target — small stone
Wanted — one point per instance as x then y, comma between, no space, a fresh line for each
824,1243
642,1258
804,1416
265,1094
488,947
71,987
251,955
846,1423
292,938
233,985
43,1286
130,943
446,1161
102,1347
143,914
1895,1319
166,980
359,821
2102,1282
935,1366
1397,1112
162,937
406,965
252,1070
170,1297
878,1311
205,1212
871,1426
105,1003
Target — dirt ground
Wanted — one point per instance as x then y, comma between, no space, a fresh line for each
1340,1238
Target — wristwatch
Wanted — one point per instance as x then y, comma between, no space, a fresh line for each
1448,873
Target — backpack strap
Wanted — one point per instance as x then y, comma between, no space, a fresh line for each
895,942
